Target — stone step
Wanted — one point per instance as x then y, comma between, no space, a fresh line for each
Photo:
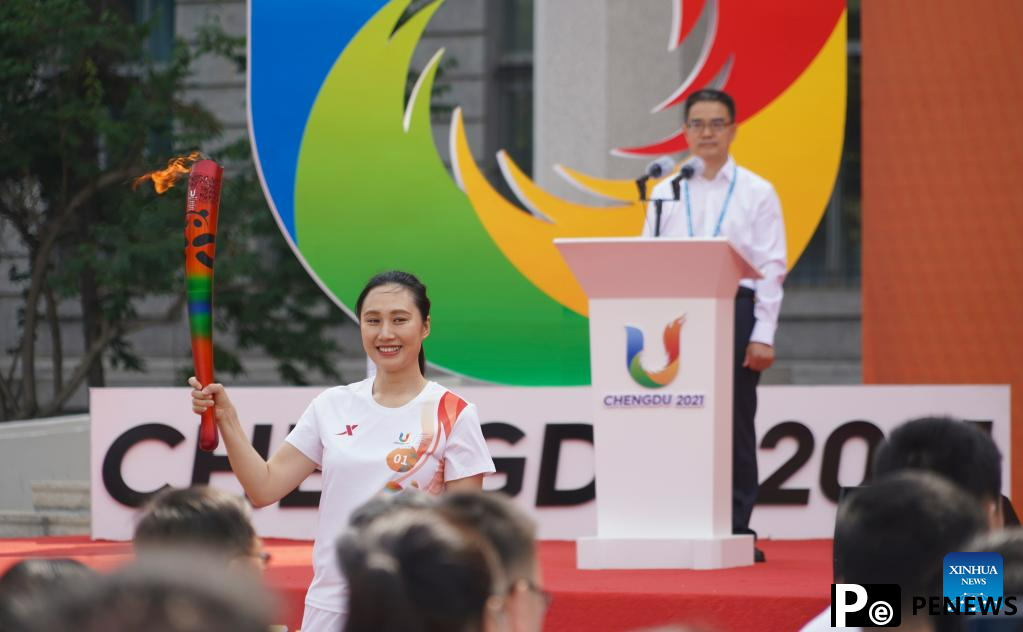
813,372
28,524
61,496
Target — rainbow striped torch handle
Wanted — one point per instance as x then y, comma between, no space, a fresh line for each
203,202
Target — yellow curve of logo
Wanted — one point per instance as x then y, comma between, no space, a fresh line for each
795,142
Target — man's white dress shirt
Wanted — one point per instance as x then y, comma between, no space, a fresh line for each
752,222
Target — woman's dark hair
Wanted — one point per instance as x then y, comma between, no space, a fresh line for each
417,572
410,283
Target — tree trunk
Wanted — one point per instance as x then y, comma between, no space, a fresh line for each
92,324
56,341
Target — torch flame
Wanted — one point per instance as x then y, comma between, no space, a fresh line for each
164,179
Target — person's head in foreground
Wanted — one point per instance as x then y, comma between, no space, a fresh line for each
957,451
414,571
388,502
175,593
394,319
512,534
1008,544
201,519
676,628
898,531
29,584
350,552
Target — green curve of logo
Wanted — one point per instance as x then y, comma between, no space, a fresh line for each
372,195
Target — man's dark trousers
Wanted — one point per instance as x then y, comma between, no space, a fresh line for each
744,409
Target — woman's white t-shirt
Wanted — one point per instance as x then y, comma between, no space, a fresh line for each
363,448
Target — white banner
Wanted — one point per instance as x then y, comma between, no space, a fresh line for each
812,440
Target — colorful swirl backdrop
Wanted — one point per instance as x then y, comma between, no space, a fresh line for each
354,177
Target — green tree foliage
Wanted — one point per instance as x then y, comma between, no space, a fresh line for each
84,109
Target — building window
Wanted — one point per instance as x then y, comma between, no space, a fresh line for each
159,15
510,110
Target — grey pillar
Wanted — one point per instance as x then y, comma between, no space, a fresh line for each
600,66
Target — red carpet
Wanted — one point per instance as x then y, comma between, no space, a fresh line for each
787,591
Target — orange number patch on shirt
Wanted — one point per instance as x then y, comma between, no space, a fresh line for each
402,459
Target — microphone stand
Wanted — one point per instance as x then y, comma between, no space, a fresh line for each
676,190
658,209
641,185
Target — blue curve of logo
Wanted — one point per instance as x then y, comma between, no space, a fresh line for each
293,46
633,344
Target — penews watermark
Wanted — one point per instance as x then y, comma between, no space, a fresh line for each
866,605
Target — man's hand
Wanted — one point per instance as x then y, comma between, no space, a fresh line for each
758,356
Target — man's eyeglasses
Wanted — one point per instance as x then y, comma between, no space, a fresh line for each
264,558
531,586
715,125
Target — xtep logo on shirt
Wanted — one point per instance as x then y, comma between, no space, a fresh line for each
349,430
634,351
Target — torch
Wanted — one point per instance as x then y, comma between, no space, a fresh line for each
203,202
201,206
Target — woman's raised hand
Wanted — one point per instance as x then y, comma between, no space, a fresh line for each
212,395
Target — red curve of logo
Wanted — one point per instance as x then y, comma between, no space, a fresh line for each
756,51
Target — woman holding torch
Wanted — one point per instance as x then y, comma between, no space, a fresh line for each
390,431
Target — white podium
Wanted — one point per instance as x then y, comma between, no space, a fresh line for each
661,339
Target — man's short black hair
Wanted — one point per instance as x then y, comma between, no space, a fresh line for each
169,592
710,94
506,527
899,529
198,517
1009,544
957,451
388,502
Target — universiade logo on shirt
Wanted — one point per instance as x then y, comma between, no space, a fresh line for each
975,579
634,352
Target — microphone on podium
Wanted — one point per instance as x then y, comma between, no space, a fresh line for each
688,170
655,169
692,167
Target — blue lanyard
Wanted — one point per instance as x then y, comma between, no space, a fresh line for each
724,207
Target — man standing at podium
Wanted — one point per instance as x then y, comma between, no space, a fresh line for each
722,199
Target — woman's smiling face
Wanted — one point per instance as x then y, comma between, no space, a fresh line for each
392,328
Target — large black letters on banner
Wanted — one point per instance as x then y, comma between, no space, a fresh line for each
771,491
514,468
205,464
113,478
546,494
832,457
986,425
299,498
